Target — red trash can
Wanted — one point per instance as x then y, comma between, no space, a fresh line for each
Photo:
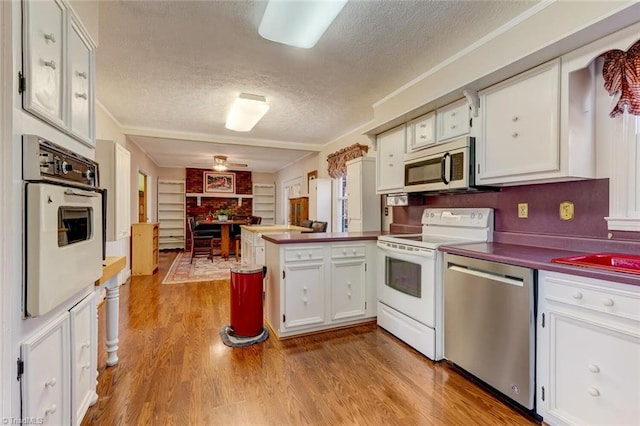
246,300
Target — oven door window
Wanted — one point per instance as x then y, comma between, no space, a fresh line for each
74,225
403,276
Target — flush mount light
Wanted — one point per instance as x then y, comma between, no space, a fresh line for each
246,111
298,23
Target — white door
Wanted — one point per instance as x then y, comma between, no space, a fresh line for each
304,285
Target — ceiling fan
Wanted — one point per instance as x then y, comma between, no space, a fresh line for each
220,163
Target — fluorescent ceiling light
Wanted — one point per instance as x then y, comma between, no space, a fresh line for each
246,111
298,23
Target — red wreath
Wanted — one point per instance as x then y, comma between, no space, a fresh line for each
621,74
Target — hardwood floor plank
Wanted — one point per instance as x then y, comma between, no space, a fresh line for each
174,369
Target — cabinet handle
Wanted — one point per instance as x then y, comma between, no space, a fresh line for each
390,164
577,295
51,383
50,37
299,255
305,301
593,392
354,251
453,114
607,302
390,155
81,95
86,367
349,284
86,345
514,134
304,288
423,137
594,368
50,64
344,251
81,74
51,409
453,126
349,295
422,126
310,254
514,118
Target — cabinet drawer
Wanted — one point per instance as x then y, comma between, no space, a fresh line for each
302,253
453,120
342,252
608,300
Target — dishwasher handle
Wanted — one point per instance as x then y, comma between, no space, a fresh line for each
519,282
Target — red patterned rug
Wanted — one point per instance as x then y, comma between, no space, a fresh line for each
202,269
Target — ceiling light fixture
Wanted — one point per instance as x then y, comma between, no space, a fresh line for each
246,111
298,23
219,167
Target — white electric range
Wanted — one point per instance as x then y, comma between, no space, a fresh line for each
410,271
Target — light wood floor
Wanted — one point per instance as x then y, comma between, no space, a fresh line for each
174,369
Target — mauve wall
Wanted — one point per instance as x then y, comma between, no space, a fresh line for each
590,199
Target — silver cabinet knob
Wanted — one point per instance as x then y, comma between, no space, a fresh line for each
51,383
593,392
81,96
50,64
422,126
594,368
423,137
50,37
453,114
514,118
607,302
51,409
81,74
514,134
577,295
453,126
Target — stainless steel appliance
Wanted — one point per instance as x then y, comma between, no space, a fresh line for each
62,224
490,324
442,167
410,290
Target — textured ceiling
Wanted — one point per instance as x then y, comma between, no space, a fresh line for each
176,66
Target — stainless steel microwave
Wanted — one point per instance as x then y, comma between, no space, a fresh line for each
443,167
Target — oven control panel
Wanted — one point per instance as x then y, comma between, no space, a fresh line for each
44,160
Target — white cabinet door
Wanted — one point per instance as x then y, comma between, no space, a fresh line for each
390,161
594,372
520,132
304,286
80,80
453,120
123,191
45,383
83,357
421,132
44,67
348,283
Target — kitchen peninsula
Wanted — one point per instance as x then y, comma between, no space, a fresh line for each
319,281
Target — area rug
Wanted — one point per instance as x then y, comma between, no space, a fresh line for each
202,269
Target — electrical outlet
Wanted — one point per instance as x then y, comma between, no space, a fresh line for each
566,210
523,210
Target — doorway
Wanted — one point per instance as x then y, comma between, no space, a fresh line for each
142,197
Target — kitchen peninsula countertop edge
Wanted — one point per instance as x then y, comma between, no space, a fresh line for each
321,237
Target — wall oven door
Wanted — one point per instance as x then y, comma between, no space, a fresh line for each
406,281
63,244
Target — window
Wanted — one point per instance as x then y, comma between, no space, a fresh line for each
341,204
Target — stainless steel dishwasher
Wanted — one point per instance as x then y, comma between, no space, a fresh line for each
489,324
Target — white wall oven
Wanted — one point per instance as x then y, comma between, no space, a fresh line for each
410,271
63,225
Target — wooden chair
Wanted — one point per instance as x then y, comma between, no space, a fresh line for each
202,240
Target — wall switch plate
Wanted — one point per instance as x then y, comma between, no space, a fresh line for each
566,210
523,210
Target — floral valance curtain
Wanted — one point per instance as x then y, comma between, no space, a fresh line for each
337,160
621,74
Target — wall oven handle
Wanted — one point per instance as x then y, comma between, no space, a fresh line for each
79,192
444,167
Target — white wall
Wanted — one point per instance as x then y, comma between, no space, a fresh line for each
296,170
172,172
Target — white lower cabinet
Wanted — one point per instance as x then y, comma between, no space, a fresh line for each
588,351
59,367
313,287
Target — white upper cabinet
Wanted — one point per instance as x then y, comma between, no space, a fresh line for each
520,134
45,29
453,120
58,75
421,132
81,84
390,161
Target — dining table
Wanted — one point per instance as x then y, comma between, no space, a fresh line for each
203,224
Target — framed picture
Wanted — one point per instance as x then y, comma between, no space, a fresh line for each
311,176
219,182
